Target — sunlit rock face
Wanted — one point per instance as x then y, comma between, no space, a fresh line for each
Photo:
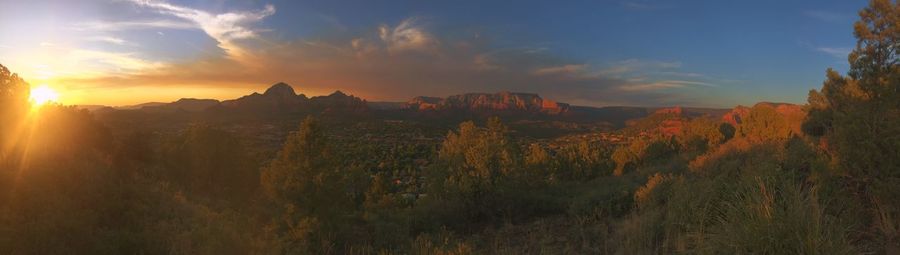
424,103
677,110
737,114
503,101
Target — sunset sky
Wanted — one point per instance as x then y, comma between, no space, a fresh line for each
598,53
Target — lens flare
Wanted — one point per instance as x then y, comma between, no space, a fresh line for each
42,95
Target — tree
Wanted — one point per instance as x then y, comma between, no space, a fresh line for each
764,123
310,187
14,93
701,134
474,162
858,117
859,114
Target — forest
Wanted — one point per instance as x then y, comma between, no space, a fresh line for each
822,180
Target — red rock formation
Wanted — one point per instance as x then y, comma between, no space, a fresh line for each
735,116
424,103
671,127
672,110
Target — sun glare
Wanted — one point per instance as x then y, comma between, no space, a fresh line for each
43,95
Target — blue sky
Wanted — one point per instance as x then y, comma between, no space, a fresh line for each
648,53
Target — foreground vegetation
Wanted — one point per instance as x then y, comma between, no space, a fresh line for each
826,182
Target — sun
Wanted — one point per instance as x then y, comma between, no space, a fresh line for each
42,95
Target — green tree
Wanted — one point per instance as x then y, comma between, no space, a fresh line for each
701,134
473,164
764,123
858,116
311,188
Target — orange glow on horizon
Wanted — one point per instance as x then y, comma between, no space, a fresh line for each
42,95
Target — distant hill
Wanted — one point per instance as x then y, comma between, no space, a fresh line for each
280,103
139,106
184,104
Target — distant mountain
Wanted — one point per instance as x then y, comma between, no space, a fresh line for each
277,98
340,102
90,107
280,102
139,106
184,104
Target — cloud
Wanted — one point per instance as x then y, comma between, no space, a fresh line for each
659,85
381,63
666,84
837,52
559,70
683,74
636,67
408,35
371,67
226,28
111,40
108,26
119,63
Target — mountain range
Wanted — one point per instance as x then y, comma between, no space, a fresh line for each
281,101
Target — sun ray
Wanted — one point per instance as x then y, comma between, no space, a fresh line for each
42,95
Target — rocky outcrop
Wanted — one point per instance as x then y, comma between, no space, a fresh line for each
677,110
503,101
735,116
424,103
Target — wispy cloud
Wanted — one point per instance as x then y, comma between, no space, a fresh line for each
118,63
226,28
108,26
558,70
633,67
666,84
837,52
683,74
111,40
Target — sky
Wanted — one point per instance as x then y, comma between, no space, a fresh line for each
596,53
